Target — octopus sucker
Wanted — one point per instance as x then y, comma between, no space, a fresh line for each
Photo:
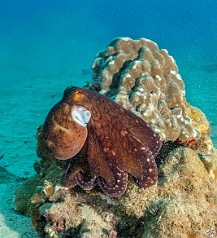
86,184
118,188
117,143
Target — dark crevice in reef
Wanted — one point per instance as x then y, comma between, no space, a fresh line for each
116,81
137,80
130,228
114,42
134,89
140,53
166,148
76,232
41,226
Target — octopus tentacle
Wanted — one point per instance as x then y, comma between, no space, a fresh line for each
119,186
149,174
75,176
140,162
142,132
84,183
69,178
97,159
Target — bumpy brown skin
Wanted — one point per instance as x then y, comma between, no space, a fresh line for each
118,143
64,138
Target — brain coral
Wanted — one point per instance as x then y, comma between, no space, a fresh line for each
144,79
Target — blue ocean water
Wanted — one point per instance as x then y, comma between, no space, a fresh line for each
43,42
46,45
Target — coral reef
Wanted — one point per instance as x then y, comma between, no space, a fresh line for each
183,204
204,144
144,79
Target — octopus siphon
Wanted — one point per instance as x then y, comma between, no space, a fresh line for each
117,143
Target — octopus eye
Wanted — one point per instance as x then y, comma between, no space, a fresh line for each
80,115
78,94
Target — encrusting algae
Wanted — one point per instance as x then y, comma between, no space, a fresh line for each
144,79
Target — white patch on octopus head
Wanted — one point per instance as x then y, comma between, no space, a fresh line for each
80,115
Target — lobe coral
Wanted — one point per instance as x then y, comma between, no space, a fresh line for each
145,80
117,142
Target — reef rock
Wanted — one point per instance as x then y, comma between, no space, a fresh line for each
183,204
145,80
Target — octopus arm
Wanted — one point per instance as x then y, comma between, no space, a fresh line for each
97,159
110,178
143,132
138,161
97,165
78,175
120,185
69,178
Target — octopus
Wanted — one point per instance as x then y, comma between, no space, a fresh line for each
116,143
